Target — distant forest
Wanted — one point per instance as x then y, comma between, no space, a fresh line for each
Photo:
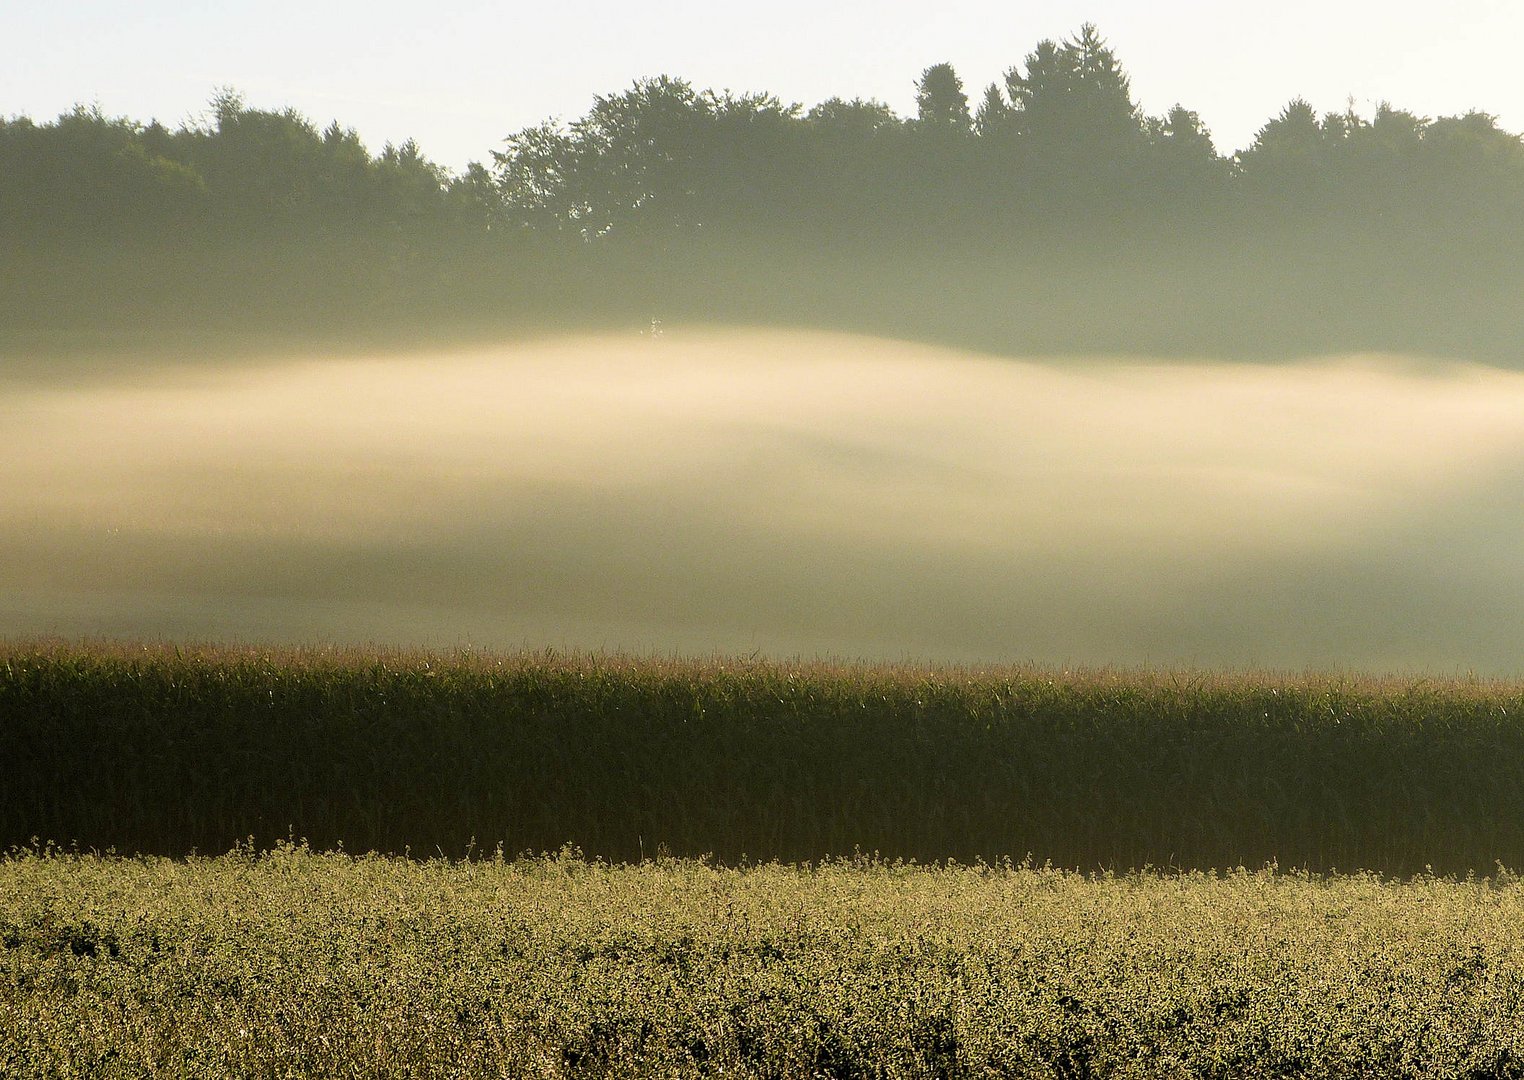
1046,213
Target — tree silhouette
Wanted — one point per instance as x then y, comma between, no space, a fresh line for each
536,173
1293,136
626,165
940,101
1072,109
994,113
1187,165
859,117
845,213
1288,162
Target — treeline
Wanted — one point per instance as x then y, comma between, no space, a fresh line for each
246,173
250,218
1050,212
1059,149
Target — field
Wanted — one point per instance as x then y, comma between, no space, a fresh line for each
164,750
292,963
755,869
1021,583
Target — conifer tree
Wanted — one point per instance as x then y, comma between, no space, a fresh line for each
940,100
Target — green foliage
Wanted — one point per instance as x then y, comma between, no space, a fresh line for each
88,173
940,101
1073,103
657,158
165,750
256,173
1057,219
293,963
994,113
859,117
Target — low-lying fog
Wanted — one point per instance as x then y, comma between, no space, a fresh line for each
782,493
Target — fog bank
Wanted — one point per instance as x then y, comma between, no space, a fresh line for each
784,493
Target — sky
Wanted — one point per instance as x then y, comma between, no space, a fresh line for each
460,76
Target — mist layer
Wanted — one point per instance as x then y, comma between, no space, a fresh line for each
788,494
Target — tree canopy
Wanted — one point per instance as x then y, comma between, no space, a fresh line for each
1055,175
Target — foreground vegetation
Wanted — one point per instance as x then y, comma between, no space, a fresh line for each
279,960
165,750
300,964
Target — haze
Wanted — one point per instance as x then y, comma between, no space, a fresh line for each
784,493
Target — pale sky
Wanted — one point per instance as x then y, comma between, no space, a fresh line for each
459,75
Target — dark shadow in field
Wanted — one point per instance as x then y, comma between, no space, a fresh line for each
782,493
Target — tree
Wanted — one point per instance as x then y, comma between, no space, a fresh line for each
1102,91
749,162
940,101
994,114
268,170
1039,95
1477,168
1184,148
536,173
1182,131
854,149
1288,154
859,117
627,165
1185,174
1072,105
475,200
90,176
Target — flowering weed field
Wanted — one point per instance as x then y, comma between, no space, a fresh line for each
291,963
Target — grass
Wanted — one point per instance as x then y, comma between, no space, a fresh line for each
291,963
784,952
157,749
